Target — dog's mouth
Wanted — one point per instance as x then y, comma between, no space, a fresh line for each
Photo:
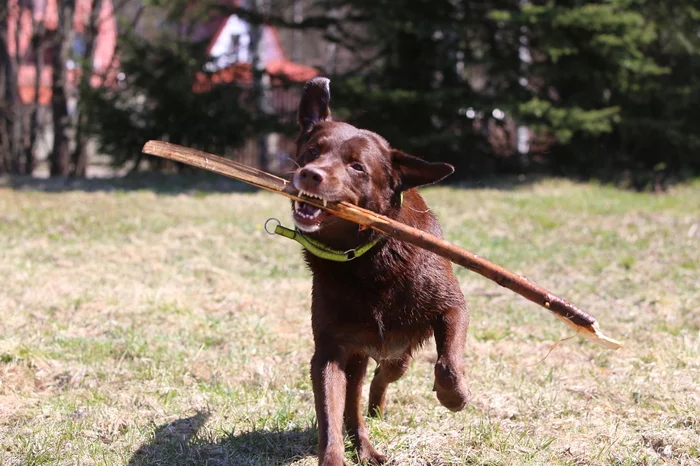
307,217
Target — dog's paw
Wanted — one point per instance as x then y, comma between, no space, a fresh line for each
332,460
454,399
369,456
451,388
366,454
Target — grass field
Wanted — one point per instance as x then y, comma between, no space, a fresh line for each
164,327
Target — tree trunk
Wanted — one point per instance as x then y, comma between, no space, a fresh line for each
331,52
297,35
38,44
80,155
5,79
14,105
260,94
60,155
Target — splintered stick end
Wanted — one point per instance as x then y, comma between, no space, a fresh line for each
592,333
600,338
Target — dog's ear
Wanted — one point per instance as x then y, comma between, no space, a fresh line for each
313,106
414,172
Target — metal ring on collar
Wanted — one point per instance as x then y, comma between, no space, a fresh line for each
272,233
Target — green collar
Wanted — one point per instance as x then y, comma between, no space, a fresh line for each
321,250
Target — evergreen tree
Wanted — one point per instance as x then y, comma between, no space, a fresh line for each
597,68
657,134
156,100
428,76
611,85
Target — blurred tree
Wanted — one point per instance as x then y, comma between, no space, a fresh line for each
427,82
7,75
80,153
608,80
435,77
39,43
657,134
156,100
59,159
11,115
611,85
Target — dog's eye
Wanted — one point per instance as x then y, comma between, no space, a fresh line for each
313,152
358,167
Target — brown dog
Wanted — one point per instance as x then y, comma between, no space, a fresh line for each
385,303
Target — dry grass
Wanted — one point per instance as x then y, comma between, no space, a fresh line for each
157,328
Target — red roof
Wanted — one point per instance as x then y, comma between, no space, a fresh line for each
46,11
242,73
279,66
291,70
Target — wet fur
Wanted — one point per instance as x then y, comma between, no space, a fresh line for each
385,304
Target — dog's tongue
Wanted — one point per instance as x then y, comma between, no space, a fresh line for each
307,209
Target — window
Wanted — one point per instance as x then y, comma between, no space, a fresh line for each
235,47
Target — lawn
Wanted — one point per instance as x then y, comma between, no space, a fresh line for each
164,327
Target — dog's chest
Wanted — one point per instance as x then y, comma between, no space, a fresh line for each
380,307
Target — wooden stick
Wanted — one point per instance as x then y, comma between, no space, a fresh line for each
581,321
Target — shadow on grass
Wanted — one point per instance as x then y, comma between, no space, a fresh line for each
160,183
178,443
498,182
207,183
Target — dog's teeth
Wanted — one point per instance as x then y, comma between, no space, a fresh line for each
303,193
317,213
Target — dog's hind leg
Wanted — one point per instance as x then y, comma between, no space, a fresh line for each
450,330
385,373
355,371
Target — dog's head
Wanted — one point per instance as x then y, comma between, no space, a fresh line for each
339,162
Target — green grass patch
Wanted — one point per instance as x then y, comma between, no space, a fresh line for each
159,327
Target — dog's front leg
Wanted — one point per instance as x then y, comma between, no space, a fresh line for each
329,383
356,369
450,330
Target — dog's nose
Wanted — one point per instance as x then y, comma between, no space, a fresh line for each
310,177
